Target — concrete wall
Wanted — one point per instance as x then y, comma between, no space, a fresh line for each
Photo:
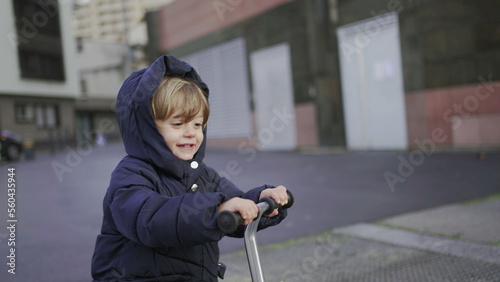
451,60
102,67
448,43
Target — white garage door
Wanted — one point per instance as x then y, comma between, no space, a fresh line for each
273,97
224,69
372,84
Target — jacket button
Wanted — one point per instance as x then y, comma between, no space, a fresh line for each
194,165
194,187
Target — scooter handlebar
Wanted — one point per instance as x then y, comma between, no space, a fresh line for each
228,221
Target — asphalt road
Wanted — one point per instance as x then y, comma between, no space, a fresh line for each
58,199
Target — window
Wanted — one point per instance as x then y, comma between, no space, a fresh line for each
47,116
79,44
39,65
83,87
40,120
24,113
39,39
50,116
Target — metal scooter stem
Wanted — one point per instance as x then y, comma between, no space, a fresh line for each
251,245
228,222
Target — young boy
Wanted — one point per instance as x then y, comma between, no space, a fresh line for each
162,203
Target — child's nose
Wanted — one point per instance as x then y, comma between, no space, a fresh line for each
189,132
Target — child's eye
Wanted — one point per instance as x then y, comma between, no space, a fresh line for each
177,123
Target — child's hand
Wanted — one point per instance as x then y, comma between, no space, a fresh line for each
247,208
278,194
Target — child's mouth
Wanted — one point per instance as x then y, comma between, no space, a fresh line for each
186,146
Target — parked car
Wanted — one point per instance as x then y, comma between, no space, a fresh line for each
11,145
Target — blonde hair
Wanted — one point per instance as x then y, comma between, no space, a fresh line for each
175,94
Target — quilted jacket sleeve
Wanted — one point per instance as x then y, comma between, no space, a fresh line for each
154,220
149,218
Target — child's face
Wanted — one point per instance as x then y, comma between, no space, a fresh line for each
182,138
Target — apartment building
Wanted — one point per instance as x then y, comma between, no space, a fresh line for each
110,38
109,20
39,84
102,67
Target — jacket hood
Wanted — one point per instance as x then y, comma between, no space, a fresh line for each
137,127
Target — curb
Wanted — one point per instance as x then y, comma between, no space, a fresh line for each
422,242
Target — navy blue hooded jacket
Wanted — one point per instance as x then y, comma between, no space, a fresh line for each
160,212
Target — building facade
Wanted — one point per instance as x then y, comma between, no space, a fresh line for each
111,36
450,65
288,74
102,70
365,75
39,85
110,20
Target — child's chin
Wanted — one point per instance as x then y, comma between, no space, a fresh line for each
185,157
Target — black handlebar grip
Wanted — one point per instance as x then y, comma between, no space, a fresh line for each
270,203
290,200
273,205
228,221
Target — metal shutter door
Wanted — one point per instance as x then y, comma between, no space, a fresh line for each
224,69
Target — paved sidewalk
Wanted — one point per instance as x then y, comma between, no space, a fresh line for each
457,242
